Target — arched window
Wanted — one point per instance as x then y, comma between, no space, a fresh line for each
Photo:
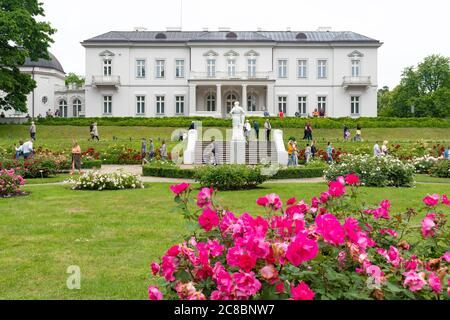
63,108
231,99
76,107
251,102
211,102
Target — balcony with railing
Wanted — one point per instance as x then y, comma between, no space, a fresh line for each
361,81
110,81
220,75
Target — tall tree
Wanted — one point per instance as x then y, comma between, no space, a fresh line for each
21,36
75,79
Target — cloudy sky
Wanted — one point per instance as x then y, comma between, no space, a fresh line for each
410,29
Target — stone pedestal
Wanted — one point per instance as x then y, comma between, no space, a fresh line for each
189,153
237,152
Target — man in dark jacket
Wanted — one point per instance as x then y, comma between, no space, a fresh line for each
256,127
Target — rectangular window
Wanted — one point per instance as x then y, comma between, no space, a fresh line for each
282,68
354,105
107,67
107,104
160,105
232,68
322,105
282,104
252,68
211,68
179,104
140,105
160,68
322,69
356,67
303,69
302,105
140,68
179,69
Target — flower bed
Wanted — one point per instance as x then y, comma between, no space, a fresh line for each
441,169
10,184
374,171
329,248
424,164
107,181
37,167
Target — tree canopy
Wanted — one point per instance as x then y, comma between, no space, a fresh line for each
75,79
21,36
424,91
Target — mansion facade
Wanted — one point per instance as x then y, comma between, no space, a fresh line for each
181,73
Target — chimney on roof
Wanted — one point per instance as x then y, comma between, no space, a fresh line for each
288,29
259,29
173,29
205,29
224,29
324,29
139,29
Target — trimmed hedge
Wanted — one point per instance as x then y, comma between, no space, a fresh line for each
230,177
90,164
175,172
289,122
299,173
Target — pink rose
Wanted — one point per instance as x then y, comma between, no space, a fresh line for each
269,273
446,257
302,292
429,226
301,250
204,197
208,220
435,283
336,189
155,268
329,227
352,179
432,200
291,201
180,188
154,294
445,200
415,281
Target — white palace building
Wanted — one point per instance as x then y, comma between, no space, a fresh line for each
202,73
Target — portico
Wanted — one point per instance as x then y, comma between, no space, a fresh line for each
209,98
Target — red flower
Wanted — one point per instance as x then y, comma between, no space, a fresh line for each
208,220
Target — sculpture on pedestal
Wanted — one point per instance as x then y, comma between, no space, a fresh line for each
238,116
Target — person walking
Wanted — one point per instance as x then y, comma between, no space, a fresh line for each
346,133
212,152
290,151
377,149
268,128
313,149
309,131
27,149
33,131
91,131
256,127
385,149
163,151
247,130
95,132
308,153
143,150
76,157
358,136
330,153
151,150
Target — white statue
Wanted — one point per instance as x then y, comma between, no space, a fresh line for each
238,115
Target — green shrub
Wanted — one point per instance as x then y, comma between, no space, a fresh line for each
441,169
230,177
32,168
91,164
167,172
290,122
299,173
374,171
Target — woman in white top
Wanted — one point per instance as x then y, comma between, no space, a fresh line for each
384,148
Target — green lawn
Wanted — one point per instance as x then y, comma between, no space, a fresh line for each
114,235
60,137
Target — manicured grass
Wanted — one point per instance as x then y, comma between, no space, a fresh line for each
52,179
423,178
113,236
59,138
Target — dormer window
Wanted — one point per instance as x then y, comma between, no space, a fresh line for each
161,36
301,36
231,36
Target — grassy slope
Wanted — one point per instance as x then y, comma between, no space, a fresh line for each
113,236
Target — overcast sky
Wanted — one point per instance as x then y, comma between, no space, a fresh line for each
410,29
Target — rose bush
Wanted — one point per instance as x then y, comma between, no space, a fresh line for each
107,181
331,247
441,169
10,183
424,164
374,171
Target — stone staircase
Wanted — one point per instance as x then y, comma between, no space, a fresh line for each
255,153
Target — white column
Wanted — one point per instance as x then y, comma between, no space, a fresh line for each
270,103
192,99
219,100
244,97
